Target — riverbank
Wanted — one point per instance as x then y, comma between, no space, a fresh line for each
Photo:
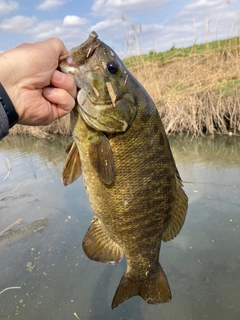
60,126
196,89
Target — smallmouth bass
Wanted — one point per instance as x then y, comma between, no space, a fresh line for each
121,149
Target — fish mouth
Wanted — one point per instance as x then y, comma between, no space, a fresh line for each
95,122
67,65
109,103
67,59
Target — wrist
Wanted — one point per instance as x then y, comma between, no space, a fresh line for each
8,107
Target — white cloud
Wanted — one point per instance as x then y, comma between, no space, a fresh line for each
207,4
108,24
48,29
42,29
8,6
113,32
18,24
119,7
50,4
201,9
72,35
74,21
209,19
60,29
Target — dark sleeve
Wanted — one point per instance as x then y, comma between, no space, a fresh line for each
8,114
4,124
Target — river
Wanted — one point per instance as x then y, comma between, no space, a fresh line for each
44,273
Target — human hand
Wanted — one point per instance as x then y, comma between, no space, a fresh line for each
39,92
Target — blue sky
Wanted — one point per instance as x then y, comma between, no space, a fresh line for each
159,23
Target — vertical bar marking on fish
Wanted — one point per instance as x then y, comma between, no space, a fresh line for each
111,92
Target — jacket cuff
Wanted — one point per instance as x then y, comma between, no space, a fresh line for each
8,107
4,125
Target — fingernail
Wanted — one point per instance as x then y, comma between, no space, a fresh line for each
48,91
58,76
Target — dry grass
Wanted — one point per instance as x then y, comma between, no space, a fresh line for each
61,126
197,92
196,89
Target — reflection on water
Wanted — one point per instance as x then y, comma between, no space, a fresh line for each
59,282
19,230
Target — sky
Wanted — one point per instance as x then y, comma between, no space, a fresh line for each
128,26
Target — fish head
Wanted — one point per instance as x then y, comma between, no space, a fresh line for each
104,101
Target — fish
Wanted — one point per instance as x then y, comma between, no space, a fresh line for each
120,148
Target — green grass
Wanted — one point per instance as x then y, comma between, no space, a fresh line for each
226,87
218,47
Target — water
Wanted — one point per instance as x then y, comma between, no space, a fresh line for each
51,278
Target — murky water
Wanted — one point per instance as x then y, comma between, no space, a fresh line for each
44,273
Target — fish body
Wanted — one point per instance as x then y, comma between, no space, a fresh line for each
122,151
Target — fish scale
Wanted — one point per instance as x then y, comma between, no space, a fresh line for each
121,149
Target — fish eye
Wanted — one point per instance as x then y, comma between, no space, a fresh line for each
113,67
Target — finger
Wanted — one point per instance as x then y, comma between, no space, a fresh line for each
64,81
58,45
60,98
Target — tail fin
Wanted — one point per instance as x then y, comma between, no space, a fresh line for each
154,289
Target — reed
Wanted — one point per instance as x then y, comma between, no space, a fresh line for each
60,127
196,89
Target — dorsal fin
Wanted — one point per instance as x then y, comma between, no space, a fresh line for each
179,213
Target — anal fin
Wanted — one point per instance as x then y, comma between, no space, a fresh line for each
98,245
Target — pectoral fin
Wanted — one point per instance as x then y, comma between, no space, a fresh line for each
179,214
98,245
69,146
101,157
72,168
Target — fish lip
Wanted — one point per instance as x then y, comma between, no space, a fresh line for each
88,114
67,65
95,118
67,60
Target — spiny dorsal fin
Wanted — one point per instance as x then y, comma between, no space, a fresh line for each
101,157
98,245
72,168
179,214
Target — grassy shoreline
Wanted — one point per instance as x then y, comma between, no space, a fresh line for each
196,89
58,127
